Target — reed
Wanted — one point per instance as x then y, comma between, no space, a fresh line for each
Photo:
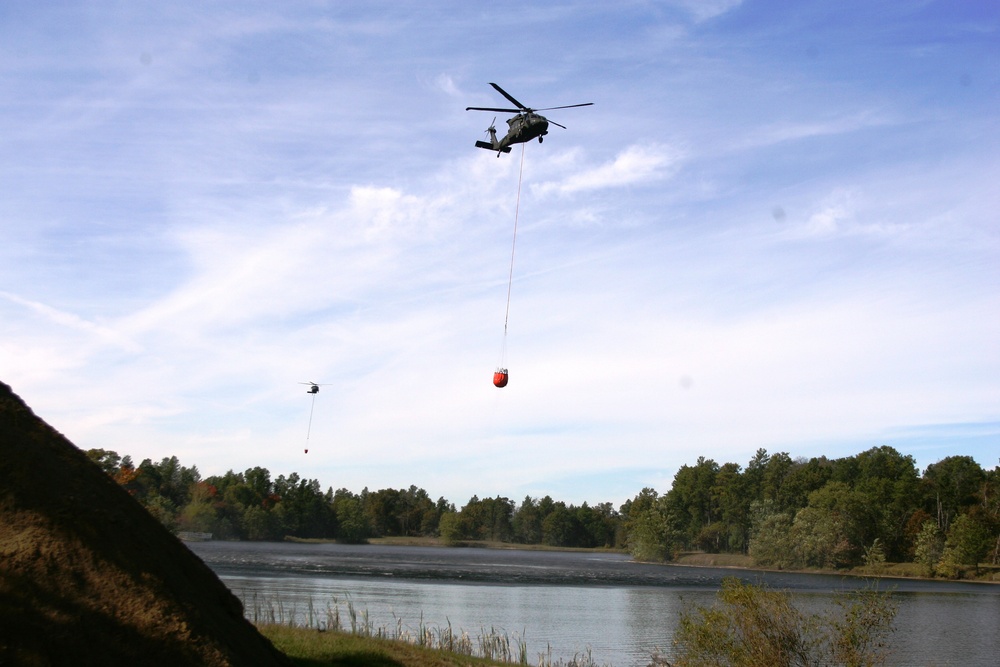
341,615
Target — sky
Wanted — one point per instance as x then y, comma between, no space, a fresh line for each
777,227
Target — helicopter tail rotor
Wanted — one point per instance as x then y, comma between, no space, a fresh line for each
492,144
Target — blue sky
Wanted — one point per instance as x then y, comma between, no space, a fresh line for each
778,227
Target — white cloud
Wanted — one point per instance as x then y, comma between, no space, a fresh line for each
634,165
447,85
702,10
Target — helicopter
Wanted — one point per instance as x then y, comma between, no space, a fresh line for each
313,389
523,127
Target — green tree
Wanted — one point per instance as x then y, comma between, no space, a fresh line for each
106,459
803,478
352,524
928,547
260,524
771,542
382,509
710,538
888,485
416,512
172,480
452,528
952,485
526,523
914,525
690,498
207,513
163,511
258,482
652,534
776,471
856,520
303,509
990,499
560,528
875,558
965,546
488,519
818,538
430,516
731,509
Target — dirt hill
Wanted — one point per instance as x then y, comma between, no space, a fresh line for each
88,577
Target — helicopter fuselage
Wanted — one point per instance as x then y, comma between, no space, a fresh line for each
524,127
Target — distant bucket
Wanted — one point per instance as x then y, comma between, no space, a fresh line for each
500,377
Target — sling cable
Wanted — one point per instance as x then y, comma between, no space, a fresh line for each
500,375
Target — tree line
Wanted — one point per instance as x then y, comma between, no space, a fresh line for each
870,508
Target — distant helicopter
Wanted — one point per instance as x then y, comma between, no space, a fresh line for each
524,127
313,389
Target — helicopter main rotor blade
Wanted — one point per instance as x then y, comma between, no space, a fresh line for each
552,122
492,109
507,95
568,106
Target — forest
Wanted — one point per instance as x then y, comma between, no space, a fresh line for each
871,508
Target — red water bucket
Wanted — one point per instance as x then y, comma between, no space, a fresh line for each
500,377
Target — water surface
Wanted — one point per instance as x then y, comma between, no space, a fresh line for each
567,603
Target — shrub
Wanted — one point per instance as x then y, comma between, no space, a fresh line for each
754,626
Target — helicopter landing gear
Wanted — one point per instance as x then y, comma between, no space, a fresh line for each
540,139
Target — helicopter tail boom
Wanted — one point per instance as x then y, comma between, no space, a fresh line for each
491,147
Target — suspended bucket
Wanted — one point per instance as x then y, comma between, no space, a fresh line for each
500,377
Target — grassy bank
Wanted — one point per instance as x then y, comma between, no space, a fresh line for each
310,647
986,573
339,633
481,544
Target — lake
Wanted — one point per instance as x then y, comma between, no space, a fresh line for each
567,603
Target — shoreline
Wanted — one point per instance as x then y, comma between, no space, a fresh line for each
988,574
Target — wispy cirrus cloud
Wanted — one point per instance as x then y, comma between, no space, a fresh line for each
98,332
795,130
634,165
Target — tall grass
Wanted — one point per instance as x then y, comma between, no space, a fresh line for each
339,615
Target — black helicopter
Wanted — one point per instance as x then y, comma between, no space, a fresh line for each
524,127
313,387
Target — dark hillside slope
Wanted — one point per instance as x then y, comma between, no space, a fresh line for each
88,577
